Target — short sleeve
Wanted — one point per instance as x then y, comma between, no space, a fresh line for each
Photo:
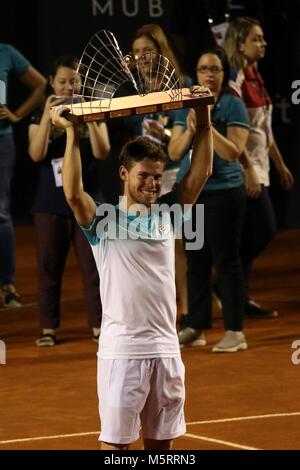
180,117
19,63
237,113
91,232
94,233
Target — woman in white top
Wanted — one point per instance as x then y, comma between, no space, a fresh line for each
246,46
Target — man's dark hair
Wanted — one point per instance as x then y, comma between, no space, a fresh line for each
138,149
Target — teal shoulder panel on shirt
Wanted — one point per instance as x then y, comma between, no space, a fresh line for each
105,213
91,232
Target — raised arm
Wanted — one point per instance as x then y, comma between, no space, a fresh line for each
99,138
39,134
202,158
81,203
181,140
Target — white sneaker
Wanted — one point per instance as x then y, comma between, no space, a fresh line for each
232,341
191,337
200,341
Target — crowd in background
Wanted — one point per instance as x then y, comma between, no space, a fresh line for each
239,218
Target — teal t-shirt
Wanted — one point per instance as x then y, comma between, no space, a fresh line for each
229,111
11,62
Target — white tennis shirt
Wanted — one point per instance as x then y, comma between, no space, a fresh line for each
137,286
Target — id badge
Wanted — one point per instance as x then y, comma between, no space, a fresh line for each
2,92
57,171
219,32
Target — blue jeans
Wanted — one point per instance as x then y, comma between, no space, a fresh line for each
7,243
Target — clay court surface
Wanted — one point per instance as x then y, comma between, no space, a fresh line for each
247,400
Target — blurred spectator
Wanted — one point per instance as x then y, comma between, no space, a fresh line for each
224,199
54,221
246,46
12,62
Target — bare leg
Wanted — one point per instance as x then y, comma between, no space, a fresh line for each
105,446
150,444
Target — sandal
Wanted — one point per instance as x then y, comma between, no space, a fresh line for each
46,340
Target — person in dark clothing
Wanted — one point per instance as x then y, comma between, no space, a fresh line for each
224,199
12,62
55,224
192,30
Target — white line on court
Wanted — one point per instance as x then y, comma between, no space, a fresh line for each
216,421
85,434
245,418
218,441
47,438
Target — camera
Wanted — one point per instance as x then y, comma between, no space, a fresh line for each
70,99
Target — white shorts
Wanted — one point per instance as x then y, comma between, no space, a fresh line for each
147,393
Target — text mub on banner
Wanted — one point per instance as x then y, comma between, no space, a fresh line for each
129,8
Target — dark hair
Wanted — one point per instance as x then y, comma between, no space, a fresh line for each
69,61
138,149
221,54
156,34
64,61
